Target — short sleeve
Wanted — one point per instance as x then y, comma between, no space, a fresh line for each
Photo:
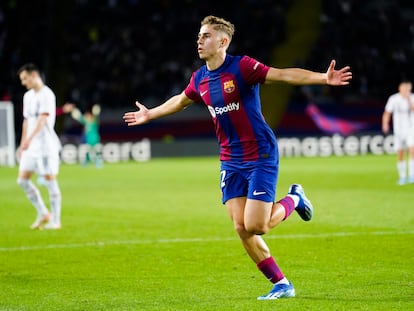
252,70
47,103
191,90
25,107
389,106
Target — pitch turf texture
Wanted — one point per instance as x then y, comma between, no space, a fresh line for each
154,236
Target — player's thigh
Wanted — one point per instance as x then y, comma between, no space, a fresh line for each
235,208
48,166
27,165
257,215
233,184
262,182
399,143
410,138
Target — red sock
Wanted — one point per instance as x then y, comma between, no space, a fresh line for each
270,269
289,205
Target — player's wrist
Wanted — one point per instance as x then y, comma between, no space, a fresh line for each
149,115
324,78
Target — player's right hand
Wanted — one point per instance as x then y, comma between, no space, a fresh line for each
25,144
137,117
19,153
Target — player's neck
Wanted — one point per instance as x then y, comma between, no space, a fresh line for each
38,85
216,61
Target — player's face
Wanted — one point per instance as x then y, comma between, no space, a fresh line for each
209,42
27,79
88,116
405,89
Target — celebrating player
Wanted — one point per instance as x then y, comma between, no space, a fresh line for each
401,107
39,147
229,87
90,122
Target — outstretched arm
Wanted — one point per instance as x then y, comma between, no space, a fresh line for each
144,115
302,76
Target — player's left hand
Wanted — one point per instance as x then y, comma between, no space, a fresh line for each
338,77
25,144
19,153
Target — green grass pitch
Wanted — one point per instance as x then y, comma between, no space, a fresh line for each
154,236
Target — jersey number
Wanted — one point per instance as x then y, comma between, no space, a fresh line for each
223,176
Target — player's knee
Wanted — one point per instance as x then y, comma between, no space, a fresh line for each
246,230
22,182
242,231
25,185
53,187
257,228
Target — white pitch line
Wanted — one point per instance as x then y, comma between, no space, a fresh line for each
197,240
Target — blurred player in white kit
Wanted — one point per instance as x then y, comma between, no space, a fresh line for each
401,107
39,147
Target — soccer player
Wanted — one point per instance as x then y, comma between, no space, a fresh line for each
401,107
90,122
229,87
39,147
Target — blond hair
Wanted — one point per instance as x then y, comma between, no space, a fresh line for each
219,24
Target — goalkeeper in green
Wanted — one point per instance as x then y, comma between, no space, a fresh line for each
90,122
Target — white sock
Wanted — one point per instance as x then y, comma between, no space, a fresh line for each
295,198
402,169
55,200
283,281
33,195
411,168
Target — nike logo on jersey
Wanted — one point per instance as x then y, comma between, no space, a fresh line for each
255,65
258,192
203,93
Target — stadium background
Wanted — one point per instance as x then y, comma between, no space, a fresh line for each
154,236
115,52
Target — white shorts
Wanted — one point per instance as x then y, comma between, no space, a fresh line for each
41,165
402,142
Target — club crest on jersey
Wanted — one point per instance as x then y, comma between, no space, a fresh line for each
229,86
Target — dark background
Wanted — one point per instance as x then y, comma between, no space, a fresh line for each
115,52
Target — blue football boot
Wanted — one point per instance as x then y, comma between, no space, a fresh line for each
304,208
279,291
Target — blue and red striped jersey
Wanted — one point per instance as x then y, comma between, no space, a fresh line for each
231,94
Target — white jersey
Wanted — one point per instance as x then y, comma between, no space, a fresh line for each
45,142
402,115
